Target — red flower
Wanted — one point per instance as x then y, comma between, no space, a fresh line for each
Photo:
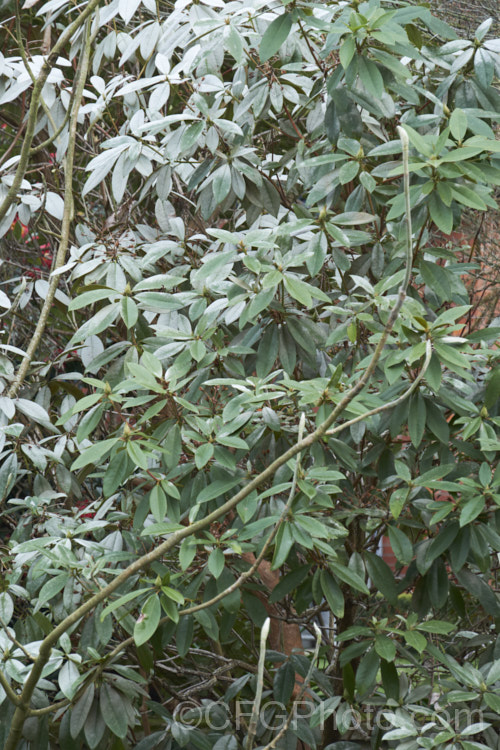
81,505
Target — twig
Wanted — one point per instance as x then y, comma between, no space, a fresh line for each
11,695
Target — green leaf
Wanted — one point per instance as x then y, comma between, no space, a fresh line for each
472,509
137,455
275,35
445,193
492,393
208,623
302,291
417,416
461,154
468,197
436,626
187,553
80,711
439,544
415,640
332,123
349,576
217,489
158,503
385,647
371,77
216,562
397,501
191,135
366,673
261,301
438,472
119,469
390,680
458,124
369,183
6,607
437,423
282,545
267,352
348,172
479,589
433,373
95,454
221,184
112,709
94,726
422,143
197,349
52,587
346,51
353,218
203,454
232,441
88,298
437,584
436,278
493,701
98,323
32,410
234,43
401,545
89,422
441,215
129,312
484,66
123,600
67,678
284,683
333,593
382,577
148,620
288,583
144,377
184,635
173,594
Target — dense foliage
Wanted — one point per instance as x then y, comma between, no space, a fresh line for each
205,237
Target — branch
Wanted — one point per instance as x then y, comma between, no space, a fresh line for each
49,709
65,227
394,402
244,576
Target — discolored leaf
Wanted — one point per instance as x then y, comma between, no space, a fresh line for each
148,620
